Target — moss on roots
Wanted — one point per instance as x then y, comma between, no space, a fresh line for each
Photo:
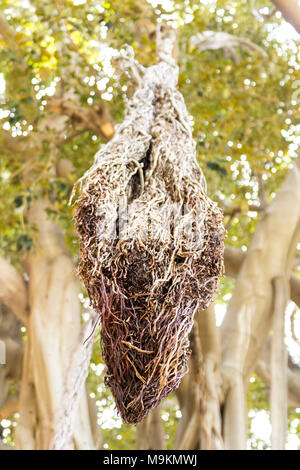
151,243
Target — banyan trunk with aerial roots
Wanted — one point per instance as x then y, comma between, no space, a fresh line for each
151,240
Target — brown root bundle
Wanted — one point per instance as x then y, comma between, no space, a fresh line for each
151,241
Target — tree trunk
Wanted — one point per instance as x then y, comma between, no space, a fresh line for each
53,333
278,402
191,398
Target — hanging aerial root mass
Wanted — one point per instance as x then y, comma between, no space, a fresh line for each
151,240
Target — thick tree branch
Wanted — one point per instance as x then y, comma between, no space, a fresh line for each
210,428
218,40
96,119
13,291
237,209
190,396
12,144
278,400
263,370
290,10
233,262
233,258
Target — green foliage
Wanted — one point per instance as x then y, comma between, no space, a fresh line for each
257,398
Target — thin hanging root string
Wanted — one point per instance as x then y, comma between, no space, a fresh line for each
147,279
96,323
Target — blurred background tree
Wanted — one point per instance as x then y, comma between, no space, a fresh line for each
60,99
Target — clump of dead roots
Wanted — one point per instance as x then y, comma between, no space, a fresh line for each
151,241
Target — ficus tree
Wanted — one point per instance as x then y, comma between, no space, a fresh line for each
61,98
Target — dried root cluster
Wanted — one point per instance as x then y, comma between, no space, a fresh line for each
151,242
